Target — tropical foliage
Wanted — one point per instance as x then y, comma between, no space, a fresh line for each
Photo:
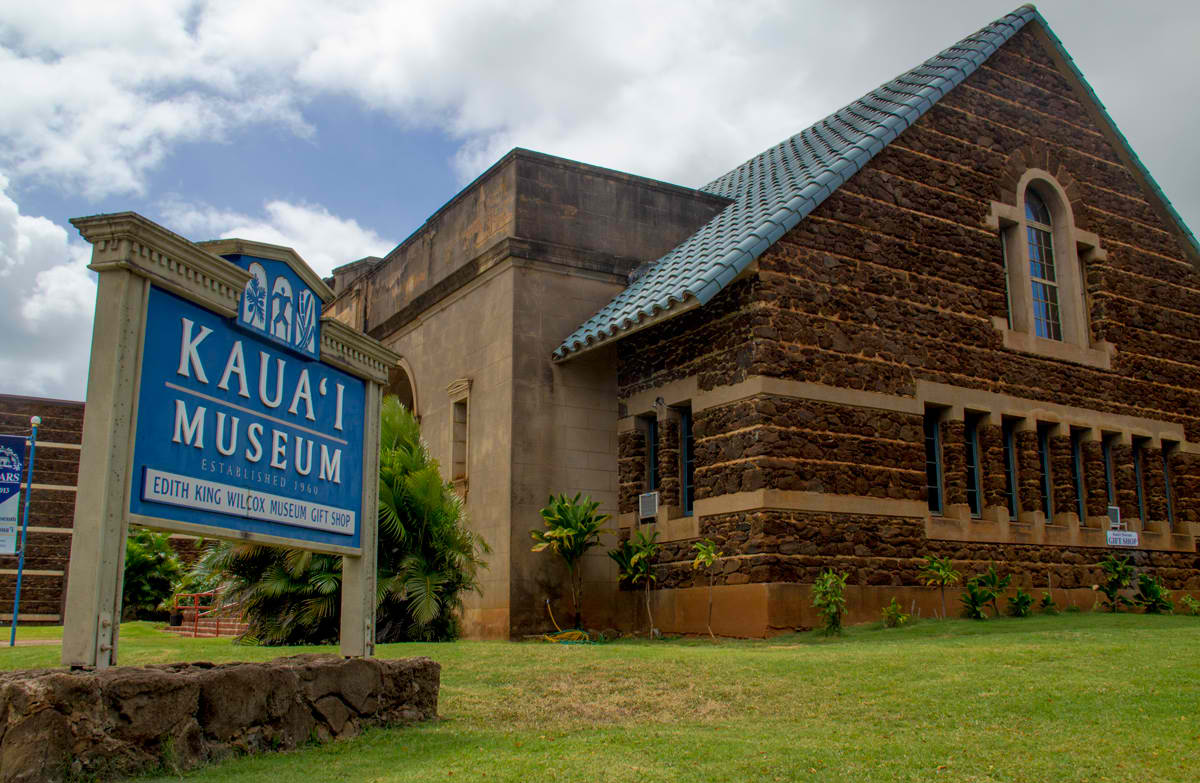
829,598
634,558
1153,596
1118,575
995,585
975,599
428,558
1021,604
893,615
151,570
1047,604
940,572
573,526
707,555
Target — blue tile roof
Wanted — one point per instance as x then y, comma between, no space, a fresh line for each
774,191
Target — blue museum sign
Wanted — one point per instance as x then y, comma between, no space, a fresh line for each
239,425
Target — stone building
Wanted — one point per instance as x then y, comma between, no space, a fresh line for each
957,317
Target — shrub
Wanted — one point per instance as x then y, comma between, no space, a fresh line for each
707,555
572,528
939,571
1152,596
1118,574
1193,606
151,570
1021,604
975,599
995,585
1047,604
894,616
829,598
428,558
634,558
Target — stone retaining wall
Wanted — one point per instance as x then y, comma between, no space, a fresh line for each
60,725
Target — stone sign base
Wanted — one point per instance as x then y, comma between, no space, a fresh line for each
57,724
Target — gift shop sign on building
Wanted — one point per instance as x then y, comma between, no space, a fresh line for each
220,404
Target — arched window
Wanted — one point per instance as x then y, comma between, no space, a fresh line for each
400,384
1039,232
1044,259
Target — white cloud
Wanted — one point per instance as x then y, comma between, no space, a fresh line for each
47,296
97,94
322,239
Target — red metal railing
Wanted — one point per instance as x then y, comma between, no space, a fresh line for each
214,608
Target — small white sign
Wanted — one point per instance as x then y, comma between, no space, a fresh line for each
1122,538
8,539
177,490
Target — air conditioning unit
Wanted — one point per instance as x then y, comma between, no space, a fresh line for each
647,505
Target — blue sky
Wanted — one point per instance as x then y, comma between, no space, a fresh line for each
337,128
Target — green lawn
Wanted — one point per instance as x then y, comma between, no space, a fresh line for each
1079,697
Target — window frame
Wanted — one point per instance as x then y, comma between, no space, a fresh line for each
932,426
687,461
973,464
1138,453
1008,437
1072,248
1043,439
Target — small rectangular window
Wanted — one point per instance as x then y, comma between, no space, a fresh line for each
971,441
687,446
1044,463
933,460
1077,469
1008,434
459,441
1166,468
651,453
1139,478
1109,479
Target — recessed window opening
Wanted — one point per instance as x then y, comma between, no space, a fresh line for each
1166,468
687,458
1042,272
1109,480
1139,478
971,441
459,451
651,453
933,460
1077,469
1044,463
1009,438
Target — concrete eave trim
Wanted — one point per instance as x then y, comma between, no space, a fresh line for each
249,247
358,354
127,240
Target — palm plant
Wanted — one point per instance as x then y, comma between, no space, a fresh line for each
634,558
939,571
1118,574
707,555
428,558
995,585
573,526
151,569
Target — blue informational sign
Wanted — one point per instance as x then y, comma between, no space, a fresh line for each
239,428
12,454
